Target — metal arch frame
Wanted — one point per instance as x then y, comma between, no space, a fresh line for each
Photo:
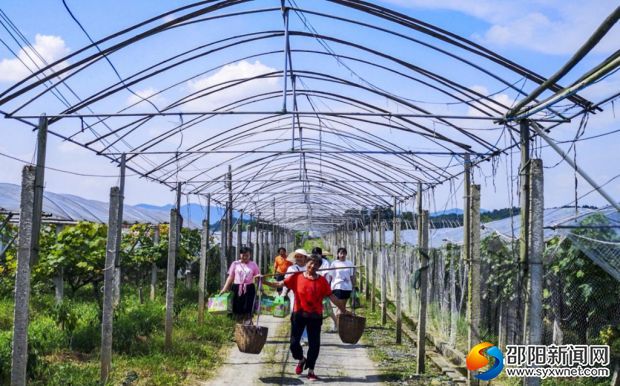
276,118
315,177
257,163
330,159
315,76
249,133
269,159
178,21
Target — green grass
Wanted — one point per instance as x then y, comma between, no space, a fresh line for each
397,363
311,243
6,314
61,357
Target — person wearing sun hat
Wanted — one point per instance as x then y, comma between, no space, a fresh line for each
298,258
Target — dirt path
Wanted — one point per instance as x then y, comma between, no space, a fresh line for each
338,363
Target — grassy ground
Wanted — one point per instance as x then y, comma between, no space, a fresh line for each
59,357
276,355
396,362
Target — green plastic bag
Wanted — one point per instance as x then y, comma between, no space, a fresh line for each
266,304
327,308
355,300
220,304
281,307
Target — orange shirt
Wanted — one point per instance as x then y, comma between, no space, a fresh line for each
281,264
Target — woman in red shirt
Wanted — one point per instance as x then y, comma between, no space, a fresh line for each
310,288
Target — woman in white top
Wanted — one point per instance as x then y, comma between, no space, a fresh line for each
342,279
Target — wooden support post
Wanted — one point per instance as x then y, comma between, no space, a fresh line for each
223,259
229,222
249,233
383,252
423,252
364,281
466,250
108,285
262,249
31,207
474,298
119,226
535,259
360,251
173,240
59,280
273,233
239,232
373,268
22,278
204,249
39,182
257,245
154,264
524,238
454,311
418,205
398,266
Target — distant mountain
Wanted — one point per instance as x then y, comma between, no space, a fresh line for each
456,211
194,213
447,212
155,207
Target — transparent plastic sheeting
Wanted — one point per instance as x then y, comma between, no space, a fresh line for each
67,207
601,245
507,228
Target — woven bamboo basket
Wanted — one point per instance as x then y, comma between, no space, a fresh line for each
351,328
250,339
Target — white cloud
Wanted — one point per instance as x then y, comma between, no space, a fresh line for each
549,26
71,148
50,48
231,72
501,98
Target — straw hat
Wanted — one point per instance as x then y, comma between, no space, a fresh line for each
291,256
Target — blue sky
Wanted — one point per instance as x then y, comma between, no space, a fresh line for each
540,35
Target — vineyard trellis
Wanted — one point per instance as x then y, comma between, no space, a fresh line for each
334,173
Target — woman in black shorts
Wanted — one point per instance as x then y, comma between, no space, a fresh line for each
343,279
